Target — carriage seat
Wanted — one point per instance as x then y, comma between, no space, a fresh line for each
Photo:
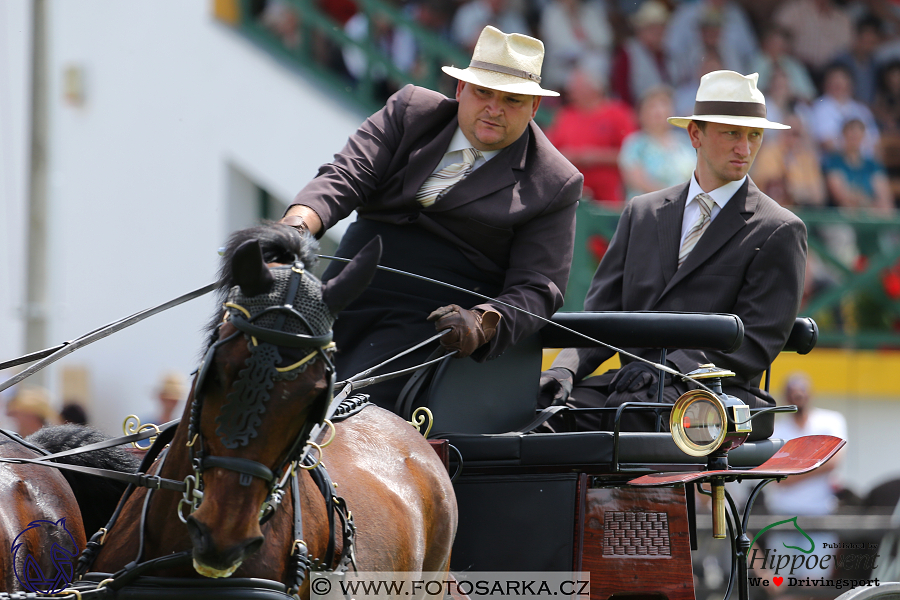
480,407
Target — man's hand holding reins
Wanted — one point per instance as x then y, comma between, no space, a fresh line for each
469,329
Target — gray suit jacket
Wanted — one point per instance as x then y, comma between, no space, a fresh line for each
750,262
513,218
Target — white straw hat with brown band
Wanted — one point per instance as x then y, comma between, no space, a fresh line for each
508,62
730,98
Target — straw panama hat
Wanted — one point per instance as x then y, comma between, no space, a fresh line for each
730,98
507,62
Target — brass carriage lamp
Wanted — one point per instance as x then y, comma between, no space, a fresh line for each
711,424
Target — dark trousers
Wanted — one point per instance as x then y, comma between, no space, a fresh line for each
390,316
595,392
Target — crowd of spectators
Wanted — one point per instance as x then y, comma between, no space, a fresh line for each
829,68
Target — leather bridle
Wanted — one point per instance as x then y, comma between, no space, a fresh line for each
262,341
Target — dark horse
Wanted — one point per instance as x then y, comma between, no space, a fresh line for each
262,385
44,513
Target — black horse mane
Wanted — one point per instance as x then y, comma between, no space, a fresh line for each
97,497
279,244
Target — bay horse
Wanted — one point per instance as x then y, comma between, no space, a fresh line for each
44,513
264,382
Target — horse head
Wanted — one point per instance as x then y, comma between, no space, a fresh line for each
265,381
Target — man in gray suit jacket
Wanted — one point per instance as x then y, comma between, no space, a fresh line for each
499,221
714,244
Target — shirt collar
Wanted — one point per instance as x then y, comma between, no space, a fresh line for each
720,195
460,142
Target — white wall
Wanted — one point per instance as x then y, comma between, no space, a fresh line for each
141,175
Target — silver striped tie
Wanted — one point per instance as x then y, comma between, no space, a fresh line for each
705,203
443,180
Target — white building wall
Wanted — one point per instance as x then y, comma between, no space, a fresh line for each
142,174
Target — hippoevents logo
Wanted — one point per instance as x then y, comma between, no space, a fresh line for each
61,548
807,561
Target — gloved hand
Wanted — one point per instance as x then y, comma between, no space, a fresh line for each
633,377
295,221
469,329
556,385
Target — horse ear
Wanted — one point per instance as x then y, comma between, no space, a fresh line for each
249,270
343,288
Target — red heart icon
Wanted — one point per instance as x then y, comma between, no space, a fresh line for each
778,580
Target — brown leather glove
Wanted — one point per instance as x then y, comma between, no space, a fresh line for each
295,221
469,329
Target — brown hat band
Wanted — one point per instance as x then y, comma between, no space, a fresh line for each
479,64
734,109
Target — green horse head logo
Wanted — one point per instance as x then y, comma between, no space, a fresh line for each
812,544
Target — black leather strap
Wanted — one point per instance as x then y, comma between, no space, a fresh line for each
239,465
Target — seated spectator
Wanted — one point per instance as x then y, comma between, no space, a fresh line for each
396,44
860,59
859,184
640,64
475,15
709,25
589,131
30,410
856,181
658,156
835,107
788,169
886,106
279,18
575,32
819,31
773,58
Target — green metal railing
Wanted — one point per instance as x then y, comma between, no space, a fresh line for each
853,309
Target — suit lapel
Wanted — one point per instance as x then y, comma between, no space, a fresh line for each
668,223
423,160
727,223
496,174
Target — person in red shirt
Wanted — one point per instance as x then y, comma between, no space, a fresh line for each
589,132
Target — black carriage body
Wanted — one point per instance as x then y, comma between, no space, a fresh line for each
561,501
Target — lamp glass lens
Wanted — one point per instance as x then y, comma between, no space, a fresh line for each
702,422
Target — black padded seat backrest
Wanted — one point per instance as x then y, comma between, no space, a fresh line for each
804,336
495,396
649,329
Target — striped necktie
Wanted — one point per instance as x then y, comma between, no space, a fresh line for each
438,183
700,225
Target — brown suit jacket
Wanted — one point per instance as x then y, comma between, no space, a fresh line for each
750,262
513,218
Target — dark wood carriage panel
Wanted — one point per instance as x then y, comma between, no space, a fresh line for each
637,543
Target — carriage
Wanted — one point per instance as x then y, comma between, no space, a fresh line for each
617,504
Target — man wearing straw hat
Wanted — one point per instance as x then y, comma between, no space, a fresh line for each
714,244
468,191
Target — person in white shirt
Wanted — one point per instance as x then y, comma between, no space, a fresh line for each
812,493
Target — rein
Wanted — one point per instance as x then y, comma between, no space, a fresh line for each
658,366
